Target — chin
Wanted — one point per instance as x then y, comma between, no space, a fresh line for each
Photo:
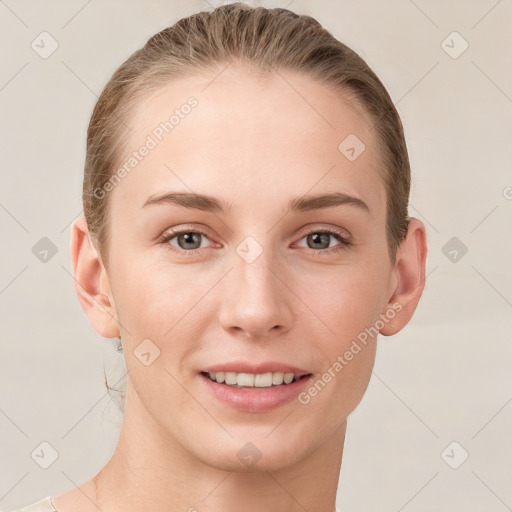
255,456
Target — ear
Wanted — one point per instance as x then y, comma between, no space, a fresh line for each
92,284
409,278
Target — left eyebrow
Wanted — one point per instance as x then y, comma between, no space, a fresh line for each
318,202
212,204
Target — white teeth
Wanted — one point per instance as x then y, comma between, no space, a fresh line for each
250,380
230,378
277,378
245,379
263,380
288,377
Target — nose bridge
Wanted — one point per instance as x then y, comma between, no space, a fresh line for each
255,274
256,299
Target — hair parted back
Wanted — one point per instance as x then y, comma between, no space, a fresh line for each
262,38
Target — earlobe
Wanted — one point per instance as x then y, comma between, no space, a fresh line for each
409,277
91,282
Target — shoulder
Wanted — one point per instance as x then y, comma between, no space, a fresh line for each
44,505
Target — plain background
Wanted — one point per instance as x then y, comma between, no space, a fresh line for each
445,378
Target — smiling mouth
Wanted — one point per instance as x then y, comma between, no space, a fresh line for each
254,381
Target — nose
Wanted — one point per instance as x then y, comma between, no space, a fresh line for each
257,299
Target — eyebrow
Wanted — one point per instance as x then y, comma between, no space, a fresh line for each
212,204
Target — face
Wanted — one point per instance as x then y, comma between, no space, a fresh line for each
257,278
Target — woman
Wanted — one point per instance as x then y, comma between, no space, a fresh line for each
246,235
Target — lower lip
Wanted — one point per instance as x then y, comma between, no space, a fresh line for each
256,399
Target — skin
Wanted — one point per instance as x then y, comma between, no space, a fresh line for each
255,143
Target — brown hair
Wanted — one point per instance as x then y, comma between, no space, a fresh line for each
265,39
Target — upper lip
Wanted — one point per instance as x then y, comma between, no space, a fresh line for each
256,368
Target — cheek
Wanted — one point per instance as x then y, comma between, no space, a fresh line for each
159,310
349,307
151,299
346,300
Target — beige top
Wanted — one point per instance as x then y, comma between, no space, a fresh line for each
44,505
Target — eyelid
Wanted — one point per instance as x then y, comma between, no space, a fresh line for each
185,228
343,233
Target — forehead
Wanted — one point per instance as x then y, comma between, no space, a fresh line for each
252,136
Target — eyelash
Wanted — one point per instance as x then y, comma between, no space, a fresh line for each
345,242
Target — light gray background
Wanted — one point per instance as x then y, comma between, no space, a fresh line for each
446,377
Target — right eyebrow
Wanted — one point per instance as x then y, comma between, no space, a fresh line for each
190,200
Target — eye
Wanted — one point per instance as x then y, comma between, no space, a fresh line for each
188,240
320,239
